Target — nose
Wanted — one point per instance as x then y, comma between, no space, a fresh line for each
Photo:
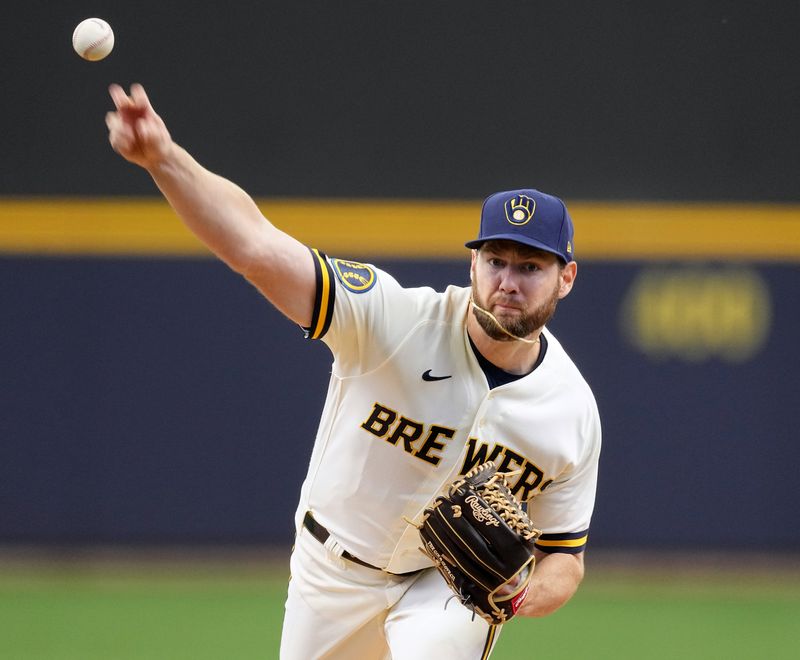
508,280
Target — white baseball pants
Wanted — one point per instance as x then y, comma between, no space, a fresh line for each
338,610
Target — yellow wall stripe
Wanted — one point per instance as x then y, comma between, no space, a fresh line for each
405,228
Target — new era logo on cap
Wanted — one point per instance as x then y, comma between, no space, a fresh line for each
529,217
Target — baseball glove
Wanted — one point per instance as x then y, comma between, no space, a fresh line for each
481,541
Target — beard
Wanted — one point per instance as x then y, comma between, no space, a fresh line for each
521,325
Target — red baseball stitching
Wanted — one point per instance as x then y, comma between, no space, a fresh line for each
95,44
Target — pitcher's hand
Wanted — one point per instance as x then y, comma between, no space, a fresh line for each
135,131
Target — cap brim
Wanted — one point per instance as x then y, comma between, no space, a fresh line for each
530,242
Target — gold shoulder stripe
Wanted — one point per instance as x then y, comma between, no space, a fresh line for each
323,303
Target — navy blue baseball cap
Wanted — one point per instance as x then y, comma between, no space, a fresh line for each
529,217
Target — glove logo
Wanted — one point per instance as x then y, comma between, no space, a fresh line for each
519,209
481,513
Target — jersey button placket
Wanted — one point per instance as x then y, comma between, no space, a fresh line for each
484,411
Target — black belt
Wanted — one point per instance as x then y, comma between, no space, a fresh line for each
322,535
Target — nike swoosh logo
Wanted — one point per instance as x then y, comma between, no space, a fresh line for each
427,376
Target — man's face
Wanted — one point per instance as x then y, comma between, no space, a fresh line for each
520,286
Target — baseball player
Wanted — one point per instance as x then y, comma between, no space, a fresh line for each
425,386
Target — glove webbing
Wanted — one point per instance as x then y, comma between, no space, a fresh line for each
512,514
498,495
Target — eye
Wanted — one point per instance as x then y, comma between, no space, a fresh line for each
495,262
529,268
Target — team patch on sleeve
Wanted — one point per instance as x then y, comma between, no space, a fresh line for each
324,297
572,543
355,276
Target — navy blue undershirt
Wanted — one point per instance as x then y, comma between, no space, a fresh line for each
496,376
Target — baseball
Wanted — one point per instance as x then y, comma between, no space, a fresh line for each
93,39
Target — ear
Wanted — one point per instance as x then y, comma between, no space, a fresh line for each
472,265
567,275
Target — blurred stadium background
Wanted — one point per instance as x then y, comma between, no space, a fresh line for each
157,416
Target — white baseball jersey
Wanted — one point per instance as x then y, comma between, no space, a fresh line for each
408,409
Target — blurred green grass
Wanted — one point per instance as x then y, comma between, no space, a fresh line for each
233,611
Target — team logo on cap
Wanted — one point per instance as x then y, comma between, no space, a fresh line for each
519,209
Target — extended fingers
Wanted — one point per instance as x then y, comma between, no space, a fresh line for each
135,131
137,103
118,95
139,97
